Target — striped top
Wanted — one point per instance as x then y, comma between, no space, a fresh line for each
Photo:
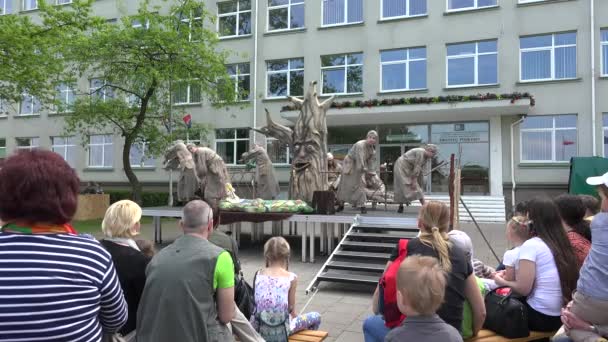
57,287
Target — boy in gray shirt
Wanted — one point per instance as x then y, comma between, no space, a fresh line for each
420,290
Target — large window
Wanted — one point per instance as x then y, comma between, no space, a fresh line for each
66,147
30,105
285,14
6,7
461,5
548,57
278,153
403,69
285,77
65,99
139,155
27,143
548,138
472,64
402,8
101,151
239,73
604,47
231,143
186,93
234,18
342,74
29,4
99,88
341,12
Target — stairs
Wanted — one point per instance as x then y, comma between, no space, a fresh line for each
485,209
363,252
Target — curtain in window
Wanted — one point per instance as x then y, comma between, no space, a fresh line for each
96,156
355,11
605,59
417,7
536,146
333,11
565,144
30,4
454,4
226,151
565,62
394,8
536,65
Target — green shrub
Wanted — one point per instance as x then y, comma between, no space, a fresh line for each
149,199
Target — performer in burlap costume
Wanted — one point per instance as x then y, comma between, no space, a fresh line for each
211,172
408,177
177,157
267,186
333,172
361,160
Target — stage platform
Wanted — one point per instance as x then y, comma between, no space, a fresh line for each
327,227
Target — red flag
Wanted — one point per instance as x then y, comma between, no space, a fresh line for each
188,120
567,142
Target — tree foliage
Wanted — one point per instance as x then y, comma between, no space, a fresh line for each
137,65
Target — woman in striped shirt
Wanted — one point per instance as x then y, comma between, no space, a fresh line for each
54,284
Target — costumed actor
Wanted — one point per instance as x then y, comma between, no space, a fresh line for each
408,177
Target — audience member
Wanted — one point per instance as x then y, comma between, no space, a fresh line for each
146,247
547,271
461,284
592,206
572,211
56,285
119,226
189,292
521,209
275,291
420,291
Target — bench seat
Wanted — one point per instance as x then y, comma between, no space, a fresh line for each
490,336
309,336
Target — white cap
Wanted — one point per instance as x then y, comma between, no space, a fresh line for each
599,180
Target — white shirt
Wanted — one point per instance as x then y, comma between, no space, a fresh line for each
511,258
546,295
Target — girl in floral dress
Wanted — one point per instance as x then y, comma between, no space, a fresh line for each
275,288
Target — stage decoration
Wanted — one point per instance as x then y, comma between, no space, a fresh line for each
259,205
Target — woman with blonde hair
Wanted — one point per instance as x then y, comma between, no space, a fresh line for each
120,226
433,241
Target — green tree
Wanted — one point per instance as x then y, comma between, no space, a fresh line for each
31,49
135,63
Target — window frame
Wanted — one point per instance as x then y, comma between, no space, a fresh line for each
4,6
233,140
288,152
237,21
188,96
345,66
603,57
407,69
475,64
408,15
553,130
289,5
69,141
286,71
464,9
142,165
33,100
236,77
104,146
65,3
103,89
3,108
34,142
64,99
25,7
552,50
345,22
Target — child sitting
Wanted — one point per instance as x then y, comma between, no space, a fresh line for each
275,292
420,291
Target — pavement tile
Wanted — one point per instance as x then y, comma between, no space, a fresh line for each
349,336
342,318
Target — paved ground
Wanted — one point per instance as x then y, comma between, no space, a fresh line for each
343,307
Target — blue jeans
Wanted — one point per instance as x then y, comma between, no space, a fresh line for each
374,329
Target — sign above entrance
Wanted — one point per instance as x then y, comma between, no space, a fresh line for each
407,137
462,137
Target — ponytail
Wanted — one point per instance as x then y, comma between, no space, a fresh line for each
440,242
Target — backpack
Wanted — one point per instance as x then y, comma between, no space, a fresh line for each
388,290
244,296
273,326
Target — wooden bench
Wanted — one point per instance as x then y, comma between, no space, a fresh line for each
490,336
309,336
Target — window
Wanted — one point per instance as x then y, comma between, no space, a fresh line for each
63,2
548,138
99,88
341,12
186,93
139,155
2,148
231,143
402,8
469,4
548,57
403,69
285,14
278,153
604,47
234,18
3,107
192,23
29,4
605,119
342,74
66,147
101,153
64,98
30,105
472,64
6,7
239,73
136,23
27,143
285,77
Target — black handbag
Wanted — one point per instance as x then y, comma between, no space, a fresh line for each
506,315
244,296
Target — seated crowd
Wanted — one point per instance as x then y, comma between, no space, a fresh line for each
58,285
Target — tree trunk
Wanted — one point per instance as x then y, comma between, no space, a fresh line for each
136,189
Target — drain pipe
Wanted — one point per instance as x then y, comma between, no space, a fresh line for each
255,71
513,184
593,114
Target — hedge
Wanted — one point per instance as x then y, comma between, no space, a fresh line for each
149,199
